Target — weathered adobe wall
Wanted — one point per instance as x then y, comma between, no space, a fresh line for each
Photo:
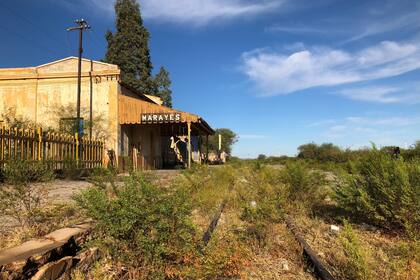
48,87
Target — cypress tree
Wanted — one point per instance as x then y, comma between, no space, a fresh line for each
128,47
163,85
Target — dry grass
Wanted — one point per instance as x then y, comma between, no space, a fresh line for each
387,254
52,217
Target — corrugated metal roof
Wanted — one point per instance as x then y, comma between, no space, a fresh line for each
131,109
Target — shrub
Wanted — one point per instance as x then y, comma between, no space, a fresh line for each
142,224
71,170
223,259
104,177
260,219
406,260
305,188
325,152
18,200
20,172
383,191
262,199
356,267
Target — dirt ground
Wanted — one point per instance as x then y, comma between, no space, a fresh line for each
62,191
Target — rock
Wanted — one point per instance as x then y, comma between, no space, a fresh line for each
285,265
368,227
334,228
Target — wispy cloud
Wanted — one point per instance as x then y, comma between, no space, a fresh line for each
384,94
278,73
321,123
252,136
366,20
387,23
376,129
196,12
296,29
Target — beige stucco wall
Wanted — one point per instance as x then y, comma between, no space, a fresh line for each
38,92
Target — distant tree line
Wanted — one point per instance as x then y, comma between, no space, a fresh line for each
329,152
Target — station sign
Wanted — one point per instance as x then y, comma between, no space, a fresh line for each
161,118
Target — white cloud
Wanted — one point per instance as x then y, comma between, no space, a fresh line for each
384,94
279,73
297,29
196,12
384,24
252,136
378,130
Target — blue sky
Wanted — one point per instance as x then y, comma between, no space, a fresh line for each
279,73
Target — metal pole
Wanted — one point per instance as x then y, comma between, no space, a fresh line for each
79,78
91,102
82,26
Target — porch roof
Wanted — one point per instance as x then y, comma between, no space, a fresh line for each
136,111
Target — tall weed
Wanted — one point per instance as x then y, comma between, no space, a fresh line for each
142,224
305,188
356,267
384,191
18,200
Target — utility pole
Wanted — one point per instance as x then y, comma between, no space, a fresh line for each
82,26
91,101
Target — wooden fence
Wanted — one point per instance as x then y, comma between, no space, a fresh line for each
56,149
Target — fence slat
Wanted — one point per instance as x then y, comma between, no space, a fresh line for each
56,148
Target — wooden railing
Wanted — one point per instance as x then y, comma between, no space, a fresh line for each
57,149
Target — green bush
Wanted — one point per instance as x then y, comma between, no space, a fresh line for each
141,224
20,172
356,267
262,200
18,200
383,191
104,177
305,187
323,153
71,170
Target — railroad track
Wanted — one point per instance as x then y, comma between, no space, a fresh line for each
310,256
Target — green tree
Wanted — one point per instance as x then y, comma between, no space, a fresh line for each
128,47
163,85
261,157
228,139
309,150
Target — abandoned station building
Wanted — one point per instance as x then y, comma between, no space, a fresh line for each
136,126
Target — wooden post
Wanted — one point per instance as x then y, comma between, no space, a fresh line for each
189,144
76,137
207,148
39,144
2,143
